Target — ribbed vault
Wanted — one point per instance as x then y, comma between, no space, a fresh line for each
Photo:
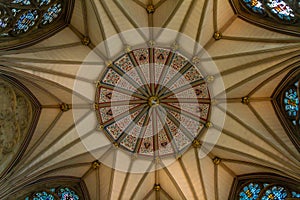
252,61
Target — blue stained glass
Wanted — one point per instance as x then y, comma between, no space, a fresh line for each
44,2
22,2
26,21
275,193
281,9
250,192
291,102
295,195
15,11
43,196
3,22
51,13
67,194
255,5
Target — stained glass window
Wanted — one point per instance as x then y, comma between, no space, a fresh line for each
279,10
67,194
22,2
255,6
250,191
26,21
265,191
62,193
51,14
22,16
295,195
275,192
291,103
43,196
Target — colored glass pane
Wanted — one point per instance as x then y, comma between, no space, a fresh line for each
44,2
291,102
67,194
255,6
281,9
22,2
43,196
250,192
20,16
275,193
4,22
51,13
26,21
295,195
54,194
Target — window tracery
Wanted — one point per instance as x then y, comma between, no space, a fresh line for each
20,16
266,191
279,9
281,15
264,187
287,105
291,103
60,193
24,22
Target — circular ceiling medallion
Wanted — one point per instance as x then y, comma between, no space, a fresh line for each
152,102
145,97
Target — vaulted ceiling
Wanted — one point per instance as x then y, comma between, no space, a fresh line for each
251,60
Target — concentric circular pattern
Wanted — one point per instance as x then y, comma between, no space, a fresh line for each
152,102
